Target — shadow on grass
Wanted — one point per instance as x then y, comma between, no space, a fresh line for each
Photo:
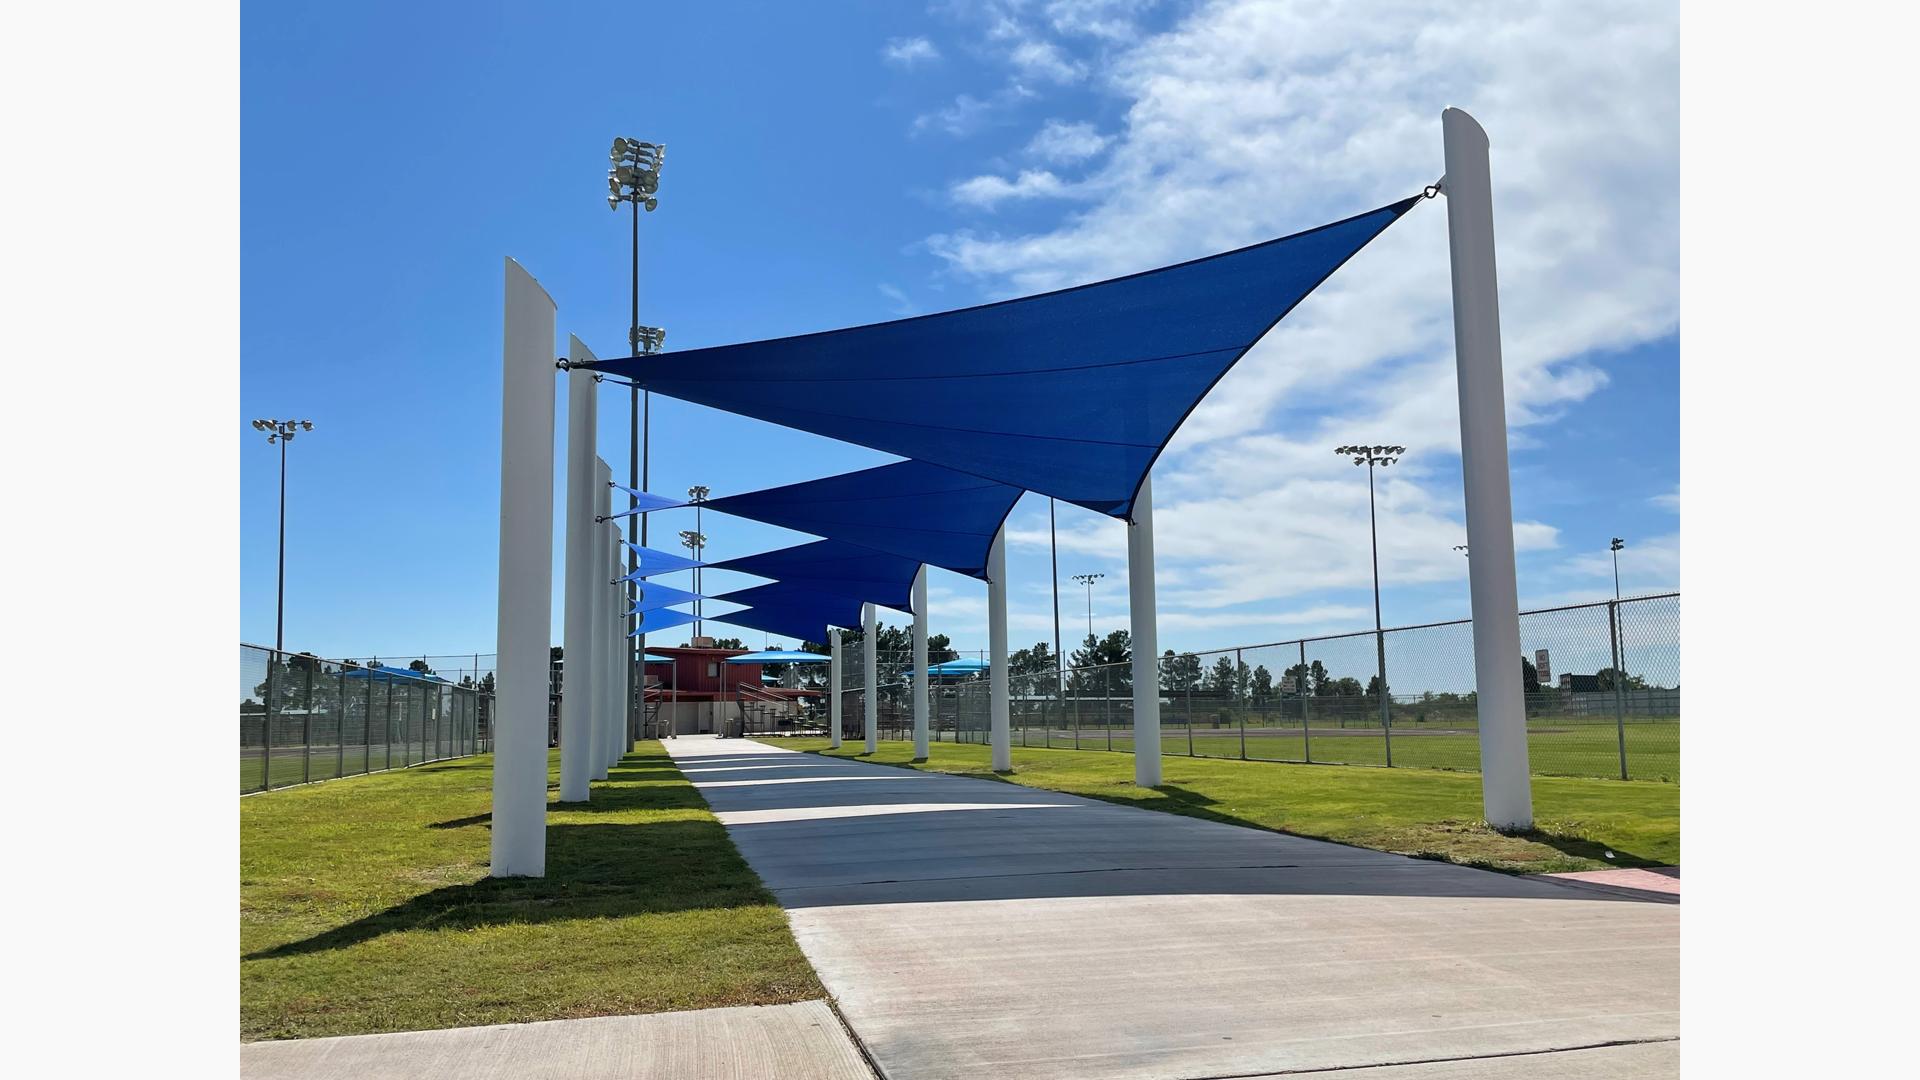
594,871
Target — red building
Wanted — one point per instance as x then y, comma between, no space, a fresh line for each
698,691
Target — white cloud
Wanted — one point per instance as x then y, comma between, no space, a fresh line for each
909,52
1064,143
1254,118
1668,501
902,304
1045,60
989,191
968,114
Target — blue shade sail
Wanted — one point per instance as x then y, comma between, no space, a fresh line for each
657,562
660,619
779,656
793,610
836,566
920,512
645,503
1071,393
654,596
655,658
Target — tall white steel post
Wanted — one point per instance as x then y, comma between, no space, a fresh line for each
999,719
1146,639
619,649
833,686
522,642
583,581
922,726
870,701
1505,785
603,616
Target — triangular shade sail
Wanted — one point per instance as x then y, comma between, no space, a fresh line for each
645,503
836,566
661,619
779,656
783,608
921,512
654,596
658,562
1071,394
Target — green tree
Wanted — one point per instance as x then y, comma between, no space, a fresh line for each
1179,674
420,666
1345,686
1262,687
1529,676
1373,686
1220,679
1116,649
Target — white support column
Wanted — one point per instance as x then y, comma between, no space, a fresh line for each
604,615
870,701
1146,639
1505,784
922,726
621,674
524,639
583,582
833,687
999,713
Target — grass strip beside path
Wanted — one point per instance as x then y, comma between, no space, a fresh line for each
1425,812
365,907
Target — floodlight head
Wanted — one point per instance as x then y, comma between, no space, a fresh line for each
1617,544
306,425
259,425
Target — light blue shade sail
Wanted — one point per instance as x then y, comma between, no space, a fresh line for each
837,567
1071,394
645,503
653,658
780,656
654,596
389,674
920,512
660,619
657,562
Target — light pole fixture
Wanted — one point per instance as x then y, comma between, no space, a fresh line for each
1615,548
1462,549
1381,457
633,176
1088,580
282,432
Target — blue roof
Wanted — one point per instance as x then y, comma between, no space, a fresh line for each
1071,393
920,512
779,656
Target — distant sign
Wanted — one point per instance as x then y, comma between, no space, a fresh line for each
1542,667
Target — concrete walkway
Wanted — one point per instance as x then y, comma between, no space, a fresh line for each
970,928
803,1041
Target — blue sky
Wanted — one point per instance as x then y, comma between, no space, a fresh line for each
837,164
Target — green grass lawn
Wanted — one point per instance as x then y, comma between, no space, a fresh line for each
1424,812
1555,747
365,906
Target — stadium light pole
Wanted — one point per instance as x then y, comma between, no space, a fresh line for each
697,495
1615,548
693,540
282,432
1376,457
1088,580
633,177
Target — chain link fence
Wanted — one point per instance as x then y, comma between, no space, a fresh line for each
1606,705
304,718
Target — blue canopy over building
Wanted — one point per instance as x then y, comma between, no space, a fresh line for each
1071,393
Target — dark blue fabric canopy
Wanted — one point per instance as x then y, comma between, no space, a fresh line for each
645,503
1071,394
921,512
793,610
838,567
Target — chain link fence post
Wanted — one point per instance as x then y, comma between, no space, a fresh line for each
1619,684
306,730
1300,692
266,748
